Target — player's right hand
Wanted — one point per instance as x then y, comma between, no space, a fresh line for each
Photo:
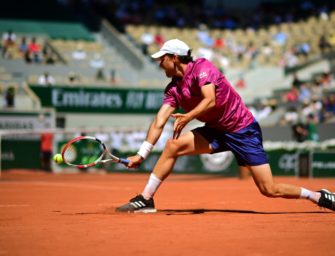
135,161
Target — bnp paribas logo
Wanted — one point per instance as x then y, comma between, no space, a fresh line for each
202,75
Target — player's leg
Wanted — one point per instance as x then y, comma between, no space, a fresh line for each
263,178
244,172
189,143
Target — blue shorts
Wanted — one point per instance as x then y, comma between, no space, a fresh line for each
246,144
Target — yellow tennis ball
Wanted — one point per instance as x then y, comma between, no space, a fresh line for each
58,158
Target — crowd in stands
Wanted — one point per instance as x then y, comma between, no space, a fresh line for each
309,103
30,49
42,51
192,13
287,45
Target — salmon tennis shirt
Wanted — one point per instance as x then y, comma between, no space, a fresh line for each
229,114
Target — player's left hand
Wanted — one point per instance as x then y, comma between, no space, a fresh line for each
181,121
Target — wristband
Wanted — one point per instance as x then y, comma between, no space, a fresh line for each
145,149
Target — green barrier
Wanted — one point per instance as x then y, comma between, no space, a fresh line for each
24,153
323,164
20,154
283,162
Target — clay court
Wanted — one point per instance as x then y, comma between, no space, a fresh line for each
73,214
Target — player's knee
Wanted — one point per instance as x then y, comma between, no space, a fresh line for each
172,146
268,190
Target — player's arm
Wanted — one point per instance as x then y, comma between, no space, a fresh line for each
154,133
157,126
207,103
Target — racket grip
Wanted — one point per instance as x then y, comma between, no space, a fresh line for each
124,161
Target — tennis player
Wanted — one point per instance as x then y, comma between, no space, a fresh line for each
204,94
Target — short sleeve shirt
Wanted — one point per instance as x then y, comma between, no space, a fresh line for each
229,114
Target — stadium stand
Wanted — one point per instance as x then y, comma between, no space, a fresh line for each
258,57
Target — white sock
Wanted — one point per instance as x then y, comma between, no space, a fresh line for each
151,187
310,195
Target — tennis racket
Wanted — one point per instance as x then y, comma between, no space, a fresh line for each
87,151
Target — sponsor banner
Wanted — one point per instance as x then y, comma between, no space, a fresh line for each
26,120
283,162
323,164
99,99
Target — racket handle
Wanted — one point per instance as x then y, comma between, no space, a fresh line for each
124,161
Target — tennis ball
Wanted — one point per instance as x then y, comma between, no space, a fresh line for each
58,158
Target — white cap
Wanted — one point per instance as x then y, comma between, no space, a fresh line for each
173,46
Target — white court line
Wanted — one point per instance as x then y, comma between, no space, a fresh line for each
66,185
13,205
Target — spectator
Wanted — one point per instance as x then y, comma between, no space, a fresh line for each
100,75
73,78
8,41
326,79
299,132
23,47
240,83
97,62
312,132
204,36
296,81
219,43
290,59
324,44
46,79
49,58
79,53
147,39
263,111
280,38
35,50
46,150
292,95
291,116
329,107
267,51
159,40
303,49
304,93
113,76
10,97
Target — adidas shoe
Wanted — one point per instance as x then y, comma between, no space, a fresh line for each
138,204
327,199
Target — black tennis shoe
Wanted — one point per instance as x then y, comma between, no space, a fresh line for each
327,199
138,204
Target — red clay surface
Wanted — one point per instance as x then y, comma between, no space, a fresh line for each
73,214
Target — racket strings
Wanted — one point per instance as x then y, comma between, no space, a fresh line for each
70,154
83,152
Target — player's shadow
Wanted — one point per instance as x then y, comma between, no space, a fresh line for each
203,211
198,211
